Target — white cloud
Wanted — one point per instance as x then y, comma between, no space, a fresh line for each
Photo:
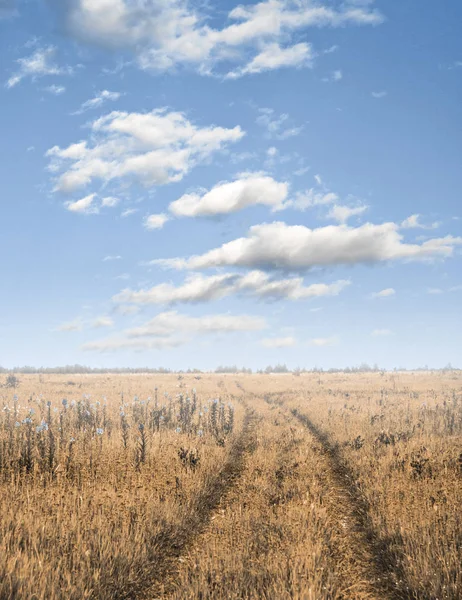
296,247
435,291
413,222
128,212
276,125
102,322
170,329
312,197
199,288
111,257
113,344
166,33
334,77
98,100
381,332
387,293
153,148
168,323
456,288
84,206
321,342
275,57
342,214
110,201
75,325
228,197
156,221
56,90
39,64
285,342
379,95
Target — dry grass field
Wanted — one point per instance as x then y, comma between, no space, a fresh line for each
319,486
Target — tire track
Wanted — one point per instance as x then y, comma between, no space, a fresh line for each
170,544
373,567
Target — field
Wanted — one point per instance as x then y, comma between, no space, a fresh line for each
317,486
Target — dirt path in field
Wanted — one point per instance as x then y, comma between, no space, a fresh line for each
174,542
255,548
371,567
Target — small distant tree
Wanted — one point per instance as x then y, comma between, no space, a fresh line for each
12,381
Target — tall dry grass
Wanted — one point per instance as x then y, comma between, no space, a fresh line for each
315,487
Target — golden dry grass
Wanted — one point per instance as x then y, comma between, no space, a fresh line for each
253,486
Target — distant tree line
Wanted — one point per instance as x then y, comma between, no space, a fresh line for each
278,368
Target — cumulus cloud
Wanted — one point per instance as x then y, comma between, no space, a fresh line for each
387,293
38,64
228,197
285,342
299,248
164,34
156,221
170,329
199,288
98,100
152,148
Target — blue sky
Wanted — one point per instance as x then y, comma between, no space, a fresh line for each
190,184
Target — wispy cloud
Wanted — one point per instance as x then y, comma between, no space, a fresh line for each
284,342
170,329
56,90
386,293
322,342
334,77
413,222
97,101
112,257
84,206
274,57
75,325
381,332
257,284
38,64
101,322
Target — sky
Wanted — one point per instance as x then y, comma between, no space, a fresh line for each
193,184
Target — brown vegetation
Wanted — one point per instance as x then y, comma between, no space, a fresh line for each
232,486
